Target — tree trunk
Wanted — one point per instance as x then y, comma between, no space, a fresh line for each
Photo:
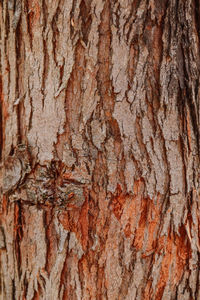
99,122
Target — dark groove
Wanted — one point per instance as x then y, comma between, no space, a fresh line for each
17,91
86,19
19,235
13,289
197,15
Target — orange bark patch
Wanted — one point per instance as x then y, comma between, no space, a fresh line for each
67,175
164,273
127,230
36,296
129,218
153,218
180,246
147,292
83,221
183,253
76,220
4,109
140,214
118,202
3,104
139,234
88,272
34,12
131,211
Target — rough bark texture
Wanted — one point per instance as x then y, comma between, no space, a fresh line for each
99,122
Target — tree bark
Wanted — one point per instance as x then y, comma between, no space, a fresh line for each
99,133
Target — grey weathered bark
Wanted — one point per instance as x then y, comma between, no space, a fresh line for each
99,119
